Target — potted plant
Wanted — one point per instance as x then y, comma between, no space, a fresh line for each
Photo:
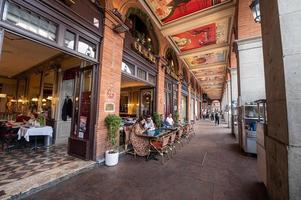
112,123
157,120
176,118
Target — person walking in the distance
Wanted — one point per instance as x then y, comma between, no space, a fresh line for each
216,118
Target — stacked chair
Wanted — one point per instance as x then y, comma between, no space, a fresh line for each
165,146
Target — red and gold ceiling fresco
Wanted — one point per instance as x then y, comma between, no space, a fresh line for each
170,10
214,33
196,38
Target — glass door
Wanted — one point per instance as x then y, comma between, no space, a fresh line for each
82,134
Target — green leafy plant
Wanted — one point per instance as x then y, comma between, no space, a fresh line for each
112,123
157,120
42,119
176,117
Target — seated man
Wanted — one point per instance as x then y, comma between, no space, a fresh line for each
149,124
169,121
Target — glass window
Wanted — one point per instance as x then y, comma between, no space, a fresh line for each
147,99
141,74
29,21
69,40
87,48
151,79
168,103
169,86
87,81
184,108
128,68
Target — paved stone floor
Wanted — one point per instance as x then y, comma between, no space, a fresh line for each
22,163
24,170
210,167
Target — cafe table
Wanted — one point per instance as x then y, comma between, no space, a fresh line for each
28,131
157,133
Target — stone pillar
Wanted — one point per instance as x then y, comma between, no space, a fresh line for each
160,91
109,81
281,32
251,70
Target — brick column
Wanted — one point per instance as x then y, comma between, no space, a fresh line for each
160,95
180,92
109,80
188,99
282,48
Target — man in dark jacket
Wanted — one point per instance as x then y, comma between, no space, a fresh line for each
216,118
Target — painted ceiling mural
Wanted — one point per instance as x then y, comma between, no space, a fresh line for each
203,43
214,33
170,10
205,59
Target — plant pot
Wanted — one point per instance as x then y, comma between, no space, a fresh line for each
111,158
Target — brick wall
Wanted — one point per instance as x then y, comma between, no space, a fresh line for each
160,96
246,26
109,78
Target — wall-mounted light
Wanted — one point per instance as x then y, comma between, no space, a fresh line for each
34,99
2,95
255,7
120,27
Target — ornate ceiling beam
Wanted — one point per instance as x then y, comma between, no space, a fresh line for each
209,66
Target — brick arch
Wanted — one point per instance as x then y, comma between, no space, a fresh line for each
171,53
143,16
123,7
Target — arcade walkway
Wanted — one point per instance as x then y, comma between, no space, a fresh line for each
210,167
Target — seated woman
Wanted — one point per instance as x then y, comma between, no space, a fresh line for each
140,144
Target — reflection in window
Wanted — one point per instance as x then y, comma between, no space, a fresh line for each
147,102
128,68
87,81
141,74
184,108
29,21
69,40
151,79
87,48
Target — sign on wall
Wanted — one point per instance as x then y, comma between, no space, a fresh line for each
109,107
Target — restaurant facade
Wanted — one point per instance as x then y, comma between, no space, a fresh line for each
88,60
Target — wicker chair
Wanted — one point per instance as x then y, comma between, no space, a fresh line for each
186,133
172,143
8,137
161,146
191,129
179,136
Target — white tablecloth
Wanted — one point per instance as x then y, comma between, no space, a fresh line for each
34,131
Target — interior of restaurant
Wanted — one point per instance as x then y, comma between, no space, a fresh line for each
136,98
38,86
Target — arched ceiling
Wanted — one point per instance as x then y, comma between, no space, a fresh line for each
200,33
